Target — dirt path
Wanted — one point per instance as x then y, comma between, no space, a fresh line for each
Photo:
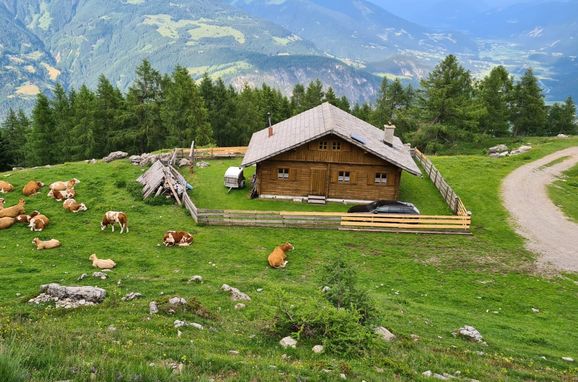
548,231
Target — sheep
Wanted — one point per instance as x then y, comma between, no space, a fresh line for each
7,222
61,186
277,258
14,210
48,244
32,187
38,222
101,263
72,206
5,187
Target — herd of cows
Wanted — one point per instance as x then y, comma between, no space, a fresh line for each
63,191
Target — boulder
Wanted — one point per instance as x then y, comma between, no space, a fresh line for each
184,162
177,301
561,136
236,294
521,150
317,349
470,333
69,297
115,155
202,164
100,275
568,359
498,149
288,342
384,334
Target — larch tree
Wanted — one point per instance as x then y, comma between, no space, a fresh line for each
529,109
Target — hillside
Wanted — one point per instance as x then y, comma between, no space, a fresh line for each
424,287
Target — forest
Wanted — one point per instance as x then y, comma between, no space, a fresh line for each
170,110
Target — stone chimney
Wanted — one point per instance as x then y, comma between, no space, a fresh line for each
388,134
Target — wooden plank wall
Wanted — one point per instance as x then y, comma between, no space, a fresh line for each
451,198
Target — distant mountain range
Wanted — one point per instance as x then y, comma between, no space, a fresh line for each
347,44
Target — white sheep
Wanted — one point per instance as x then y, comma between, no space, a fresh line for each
101,263
45,244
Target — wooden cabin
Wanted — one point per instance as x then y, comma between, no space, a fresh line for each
326,153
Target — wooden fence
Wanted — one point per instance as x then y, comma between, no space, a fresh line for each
452,199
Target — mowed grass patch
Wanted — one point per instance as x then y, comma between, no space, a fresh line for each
564,193
210,192
422,284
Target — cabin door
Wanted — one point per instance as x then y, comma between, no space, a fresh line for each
318,181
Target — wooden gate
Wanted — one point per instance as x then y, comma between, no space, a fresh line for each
318,181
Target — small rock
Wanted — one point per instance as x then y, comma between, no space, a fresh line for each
318,349
234,352
177,301
414,337
181,324
427,373
284,356
111,329
385,334
288,342
196,279
325,289
535,310
131,296
202,164
568,359
259,290
470,333
561,136
100,275
379,370
498,149
342,376
240,306
153,308
521,150
184,162
82,276
236,294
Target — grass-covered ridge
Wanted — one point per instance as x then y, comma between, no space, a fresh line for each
564,193
423,285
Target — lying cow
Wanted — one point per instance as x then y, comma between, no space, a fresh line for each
72,206
7,222
14,210
32,187
277,258
2,201
5,187
38,222
180,238
25,219
59,196
61,186
112,217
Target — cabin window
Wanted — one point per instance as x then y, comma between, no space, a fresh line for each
323,145
381,178
283,174
343,177
336,146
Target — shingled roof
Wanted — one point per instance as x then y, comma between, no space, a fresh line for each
323,120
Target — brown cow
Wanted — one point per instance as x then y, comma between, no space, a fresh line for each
2,201
32,187
6,187
180,238
112,217
72,206
13,211
7,222
277,258
38,222
59,196
61,186
25,219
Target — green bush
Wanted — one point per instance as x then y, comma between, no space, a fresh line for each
342,291
120,183
314,320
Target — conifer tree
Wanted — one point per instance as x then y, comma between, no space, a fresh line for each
562,118
495,92
298,99
41,143
107,117
83,132
15,129
314,95
529,109
63,123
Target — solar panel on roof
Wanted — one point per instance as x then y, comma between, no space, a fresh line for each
358,138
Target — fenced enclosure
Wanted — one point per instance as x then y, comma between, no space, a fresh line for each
440,224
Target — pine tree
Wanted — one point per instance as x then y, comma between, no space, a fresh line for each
298,99
15,129
447,97
529,110
392,99
248,119
109,104
314,95
331,97
41,143
562,118
495,92
222,114
143,101
362,111
83,131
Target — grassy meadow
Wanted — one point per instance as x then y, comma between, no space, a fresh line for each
564,193
422,285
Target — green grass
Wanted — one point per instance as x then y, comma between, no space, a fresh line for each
209,192
564,193
422,284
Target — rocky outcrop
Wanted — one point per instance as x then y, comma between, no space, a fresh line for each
69,297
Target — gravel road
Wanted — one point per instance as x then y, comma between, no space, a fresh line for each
549,233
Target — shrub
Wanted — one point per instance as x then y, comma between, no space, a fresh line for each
343,292
120,183
311,319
